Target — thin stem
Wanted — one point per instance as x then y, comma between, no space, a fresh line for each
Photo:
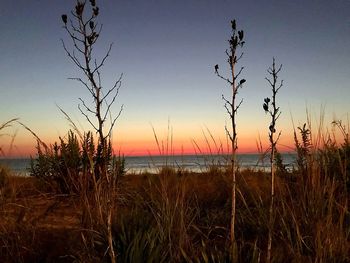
231,107
275,114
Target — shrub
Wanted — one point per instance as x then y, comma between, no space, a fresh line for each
72,166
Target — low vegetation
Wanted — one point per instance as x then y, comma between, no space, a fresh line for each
183,216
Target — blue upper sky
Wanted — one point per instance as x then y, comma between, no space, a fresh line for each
166,50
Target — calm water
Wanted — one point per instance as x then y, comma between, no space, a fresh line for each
153,163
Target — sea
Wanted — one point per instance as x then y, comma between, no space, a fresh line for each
195,163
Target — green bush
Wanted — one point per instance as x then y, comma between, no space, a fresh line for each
71,166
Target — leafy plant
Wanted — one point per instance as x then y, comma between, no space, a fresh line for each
69,165
303,148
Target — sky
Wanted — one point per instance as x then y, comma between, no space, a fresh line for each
166,51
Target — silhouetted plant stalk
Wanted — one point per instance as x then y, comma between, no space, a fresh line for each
84,31
275,113
303,149
344,152
231,106
5,125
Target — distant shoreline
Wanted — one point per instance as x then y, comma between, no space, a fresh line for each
153,163
159,155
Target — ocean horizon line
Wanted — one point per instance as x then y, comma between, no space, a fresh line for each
191,162
161,155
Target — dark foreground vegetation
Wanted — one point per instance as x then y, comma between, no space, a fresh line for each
175,215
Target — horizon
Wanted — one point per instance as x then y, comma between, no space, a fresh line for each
165,156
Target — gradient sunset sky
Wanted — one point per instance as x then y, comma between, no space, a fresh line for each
167,50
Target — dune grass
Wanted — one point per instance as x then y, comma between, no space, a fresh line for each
182,218
176,215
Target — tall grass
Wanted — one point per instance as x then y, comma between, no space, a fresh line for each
3,126
176,215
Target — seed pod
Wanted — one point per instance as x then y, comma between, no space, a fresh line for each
240,34
91,24
233,24
230,59
216,68
90,39
64,18
267,100
265,107
79,8
95,11
272,129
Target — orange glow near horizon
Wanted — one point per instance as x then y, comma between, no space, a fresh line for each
247,145
141,141
26,147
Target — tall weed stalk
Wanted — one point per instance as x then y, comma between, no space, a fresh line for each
231,105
